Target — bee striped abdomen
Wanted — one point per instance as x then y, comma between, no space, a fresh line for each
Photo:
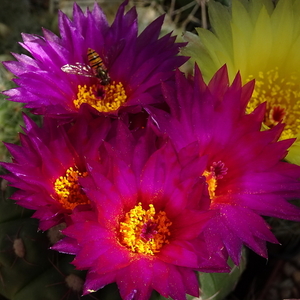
95,68
94,59
98,66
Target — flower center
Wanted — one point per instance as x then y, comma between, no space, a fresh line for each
145,231
216,171
104,98
282,95
69,191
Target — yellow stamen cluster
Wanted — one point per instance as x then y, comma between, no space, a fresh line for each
145,231
68,190
105,98
282,94
212,183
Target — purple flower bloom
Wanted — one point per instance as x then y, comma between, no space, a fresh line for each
49,162
107,67
144,231
245,176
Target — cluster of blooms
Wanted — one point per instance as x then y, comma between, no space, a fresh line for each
156,175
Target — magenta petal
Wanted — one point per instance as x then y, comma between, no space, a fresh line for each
176,286
190,281
95,281
190,223
250,222
161,277
250,229
156,173
115,258
67,245
87,255
272,205
219,236
140,277
126,288
179,254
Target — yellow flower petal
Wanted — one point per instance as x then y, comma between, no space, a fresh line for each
262,42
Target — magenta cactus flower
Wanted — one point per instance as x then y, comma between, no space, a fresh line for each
245,175
144,230
47,165
107,67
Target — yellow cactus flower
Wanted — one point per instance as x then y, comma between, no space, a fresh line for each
262,42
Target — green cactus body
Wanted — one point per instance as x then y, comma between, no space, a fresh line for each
28,269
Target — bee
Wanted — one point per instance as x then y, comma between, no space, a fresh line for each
95,68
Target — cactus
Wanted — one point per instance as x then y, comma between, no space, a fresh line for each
10,117
28,268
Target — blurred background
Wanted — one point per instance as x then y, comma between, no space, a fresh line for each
30,15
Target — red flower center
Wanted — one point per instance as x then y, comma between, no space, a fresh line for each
276,115
281,93
149,230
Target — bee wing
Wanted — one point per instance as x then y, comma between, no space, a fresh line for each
79,69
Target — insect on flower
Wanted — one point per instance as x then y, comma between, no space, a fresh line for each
95,68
